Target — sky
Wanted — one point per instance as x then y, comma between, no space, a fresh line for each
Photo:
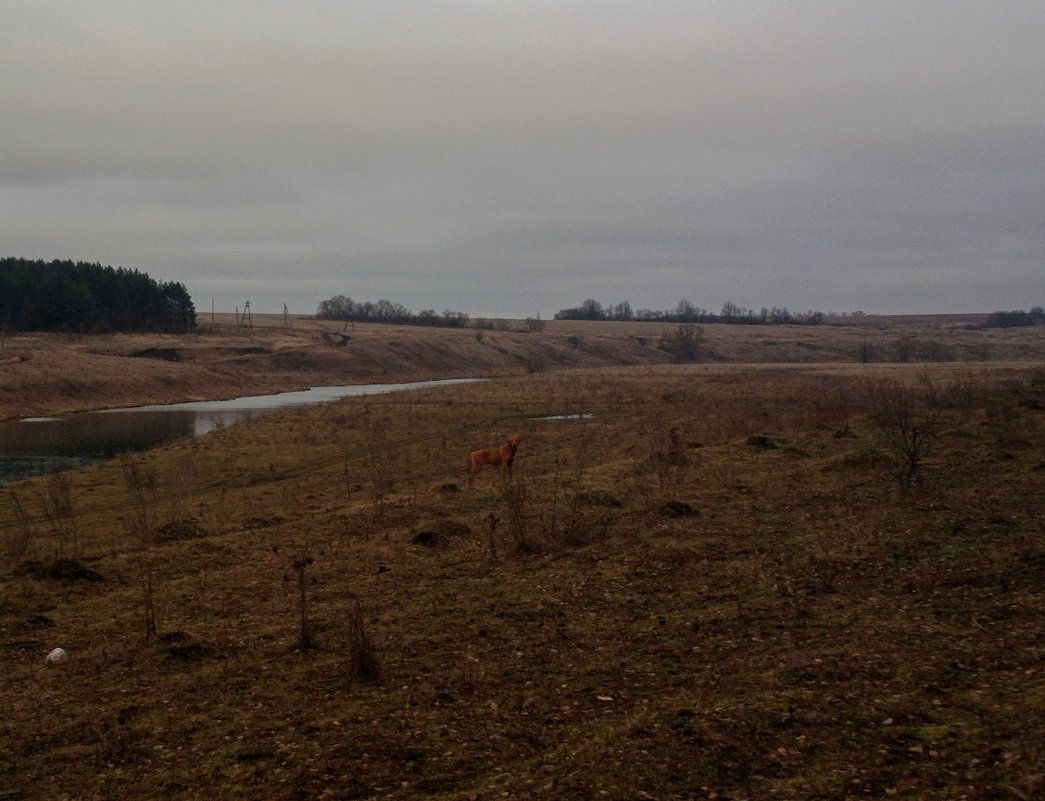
507,159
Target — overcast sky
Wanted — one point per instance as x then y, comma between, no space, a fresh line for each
509,158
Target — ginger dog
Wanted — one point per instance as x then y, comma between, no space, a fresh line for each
502,455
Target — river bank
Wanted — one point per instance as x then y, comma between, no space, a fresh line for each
46,374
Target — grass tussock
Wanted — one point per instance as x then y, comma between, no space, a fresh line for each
721,583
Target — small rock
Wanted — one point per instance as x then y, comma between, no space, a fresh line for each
57,655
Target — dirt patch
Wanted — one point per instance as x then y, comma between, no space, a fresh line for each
177,646
66,570
180,530
34,622
438,533
430,539
761,441
336,340
164,354
677,509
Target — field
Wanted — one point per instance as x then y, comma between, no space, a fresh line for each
746,581
55,373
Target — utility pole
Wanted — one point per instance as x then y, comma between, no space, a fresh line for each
286,317
246,314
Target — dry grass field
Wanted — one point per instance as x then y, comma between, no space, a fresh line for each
816,581
56,373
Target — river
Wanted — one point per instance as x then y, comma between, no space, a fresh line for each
37,446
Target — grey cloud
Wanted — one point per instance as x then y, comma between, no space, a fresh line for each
515,157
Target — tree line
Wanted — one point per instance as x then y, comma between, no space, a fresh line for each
1015,319
89,298
686,312
345,308
341,307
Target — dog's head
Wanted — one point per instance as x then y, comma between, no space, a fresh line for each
513,441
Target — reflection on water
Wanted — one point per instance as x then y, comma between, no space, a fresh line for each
38,446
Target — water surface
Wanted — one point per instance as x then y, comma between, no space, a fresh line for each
37,446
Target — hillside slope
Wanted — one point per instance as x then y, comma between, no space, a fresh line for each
52,373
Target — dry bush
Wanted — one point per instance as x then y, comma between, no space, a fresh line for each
684,344
363,664
515,499
140,483
60,513
18,539
517,536
906,419
577,517
902,349
661,467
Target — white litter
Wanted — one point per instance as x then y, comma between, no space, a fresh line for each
57,655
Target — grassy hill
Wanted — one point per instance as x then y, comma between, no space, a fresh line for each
718,585
51,373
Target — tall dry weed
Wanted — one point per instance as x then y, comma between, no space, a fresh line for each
147,584
19,539
905,417
519,535
661,466
140,483
60,513
306,638
180,478
381,461
363,663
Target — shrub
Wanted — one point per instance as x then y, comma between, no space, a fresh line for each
906,418
684,344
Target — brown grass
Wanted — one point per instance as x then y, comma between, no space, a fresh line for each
711,588
54,373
